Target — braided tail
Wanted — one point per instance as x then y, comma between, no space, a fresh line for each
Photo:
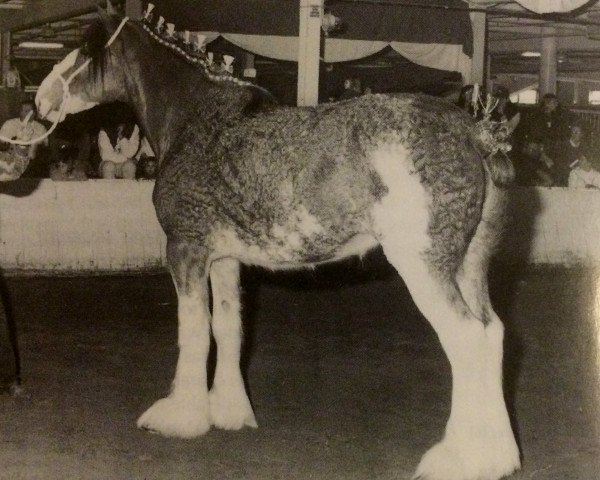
500,168
492,139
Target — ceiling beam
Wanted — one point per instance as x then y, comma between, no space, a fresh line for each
44,12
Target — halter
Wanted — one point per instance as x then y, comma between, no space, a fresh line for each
66,93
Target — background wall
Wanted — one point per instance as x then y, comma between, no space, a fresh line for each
104,225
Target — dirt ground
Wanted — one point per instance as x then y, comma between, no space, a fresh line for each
347,380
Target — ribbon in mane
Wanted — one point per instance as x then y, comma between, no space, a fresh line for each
195,54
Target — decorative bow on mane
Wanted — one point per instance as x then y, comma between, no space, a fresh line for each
492,135
193,52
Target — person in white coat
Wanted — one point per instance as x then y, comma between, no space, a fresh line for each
14,159
118,151
583,174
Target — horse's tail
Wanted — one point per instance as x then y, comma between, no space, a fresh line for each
500,169
491,139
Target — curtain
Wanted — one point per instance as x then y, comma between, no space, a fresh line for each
432,55
340,50
539,6
435,55
271,46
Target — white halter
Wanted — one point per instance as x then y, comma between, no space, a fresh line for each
66,93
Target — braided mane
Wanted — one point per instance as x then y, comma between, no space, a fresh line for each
198,58
96,36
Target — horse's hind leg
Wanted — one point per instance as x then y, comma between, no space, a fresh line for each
478,443
185,413
229,405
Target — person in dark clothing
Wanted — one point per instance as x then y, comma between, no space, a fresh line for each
549,123
505,110
465,99
352,89
545,131
533,168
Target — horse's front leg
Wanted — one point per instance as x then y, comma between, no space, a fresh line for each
185,412
229,405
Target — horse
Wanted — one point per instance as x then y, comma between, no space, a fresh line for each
243,181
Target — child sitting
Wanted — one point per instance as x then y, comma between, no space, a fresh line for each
64,170
147,168
583,174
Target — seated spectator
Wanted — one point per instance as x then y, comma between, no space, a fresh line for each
117,150
533,166
465,99
352,89
583,174
505,110
14,159
568,153
64,170
147,168
548,124
147,163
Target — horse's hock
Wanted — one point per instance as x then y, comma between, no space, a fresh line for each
110,226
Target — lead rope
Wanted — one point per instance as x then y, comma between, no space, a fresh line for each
66,93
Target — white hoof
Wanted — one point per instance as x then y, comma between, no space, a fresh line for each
172,417
230,410
473,460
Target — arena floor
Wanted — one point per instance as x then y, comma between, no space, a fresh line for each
347,383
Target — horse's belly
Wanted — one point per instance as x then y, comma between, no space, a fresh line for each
288,249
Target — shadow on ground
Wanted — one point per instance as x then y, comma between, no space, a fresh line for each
347,380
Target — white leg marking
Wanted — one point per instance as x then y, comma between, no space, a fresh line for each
184,413
478,443
404,212
230,408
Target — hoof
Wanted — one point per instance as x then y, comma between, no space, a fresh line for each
455,460
230,410
173,417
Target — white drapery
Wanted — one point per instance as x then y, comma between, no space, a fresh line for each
432,55
538,6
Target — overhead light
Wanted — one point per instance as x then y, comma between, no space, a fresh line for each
531,54
42,45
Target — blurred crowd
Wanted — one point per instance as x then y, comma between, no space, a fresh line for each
104,144
550,147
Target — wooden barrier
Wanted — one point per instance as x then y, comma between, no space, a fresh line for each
93,226
553,226
110,226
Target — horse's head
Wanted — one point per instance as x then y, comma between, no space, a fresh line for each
87,76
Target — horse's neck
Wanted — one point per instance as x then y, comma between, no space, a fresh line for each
169,96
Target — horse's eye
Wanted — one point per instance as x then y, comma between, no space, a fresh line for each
85,50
